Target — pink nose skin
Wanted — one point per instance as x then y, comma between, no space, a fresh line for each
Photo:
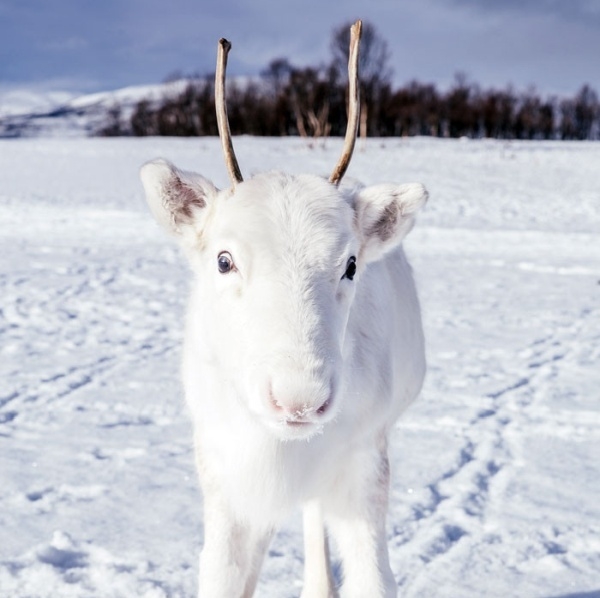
298,405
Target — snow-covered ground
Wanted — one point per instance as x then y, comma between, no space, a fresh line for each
496,469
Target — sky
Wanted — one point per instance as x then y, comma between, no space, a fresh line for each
97,45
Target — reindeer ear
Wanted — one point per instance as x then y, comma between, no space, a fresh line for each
385,215
176,198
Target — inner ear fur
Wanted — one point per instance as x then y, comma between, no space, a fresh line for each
175,197
385,215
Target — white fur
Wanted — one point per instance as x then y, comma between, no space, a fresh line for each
295,374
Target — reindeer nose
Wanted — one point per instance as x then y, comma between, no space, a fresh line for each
300,401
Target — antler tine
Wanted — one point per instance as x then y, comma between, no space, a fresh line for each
353,108
221,109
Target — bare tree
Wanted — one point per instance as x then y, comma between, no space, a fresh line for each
568,128
143,119
497,113
586,110
412,110
277,75
310,102
313,102
528,116
463,108
113,127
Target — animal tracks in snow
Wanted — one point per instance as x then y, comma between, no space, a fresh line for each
76,323
478,507
495,468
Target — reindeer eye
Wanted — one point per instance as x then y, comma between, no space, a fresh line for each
225,262
350,269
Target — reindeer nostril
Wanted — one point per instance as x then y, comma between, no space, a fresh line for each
324,407
274,402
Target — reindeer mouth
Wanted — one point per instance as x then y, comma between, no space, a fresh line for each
298,423
295,429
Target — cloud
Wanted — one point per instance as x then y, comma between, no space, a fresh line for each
553,43
69,44
572,10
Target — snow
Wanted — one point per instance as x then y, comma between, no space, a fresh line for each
496,469
30,113
27,112
18,101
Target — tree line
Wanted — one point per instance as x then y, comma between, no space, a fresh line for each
311,102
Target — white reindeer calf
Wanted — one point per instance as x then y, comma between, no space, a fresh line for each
303,345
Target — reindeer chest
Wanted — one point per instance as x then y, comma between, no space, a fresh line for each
262,477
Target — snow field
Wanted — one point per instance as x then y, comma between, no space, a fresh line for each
496,469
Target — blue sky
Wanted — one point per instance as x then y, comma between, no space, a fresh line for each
93,45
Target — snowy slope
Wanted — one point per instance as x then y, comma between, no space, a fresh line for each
496,469
17,101
26,113
30,113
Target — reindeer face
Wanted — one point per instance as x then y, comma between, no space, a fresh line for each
281,257
277,263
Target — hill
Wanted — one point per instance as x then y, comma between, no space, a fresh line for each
62,114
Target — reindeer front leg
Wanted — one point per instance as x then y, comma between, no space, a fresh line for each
232,553
356,519
317,574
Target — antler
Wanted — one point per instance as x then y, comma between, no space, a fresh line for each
353,108
221,108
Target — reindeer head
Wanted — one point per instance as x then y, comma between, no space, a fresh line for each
278,261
